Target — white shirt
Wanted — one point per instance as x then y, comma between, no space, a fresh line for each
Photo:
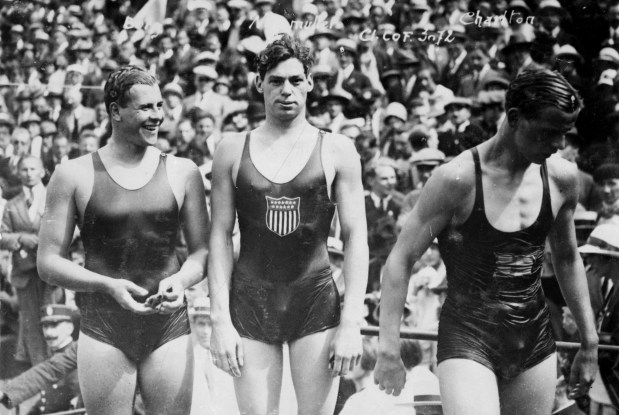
37,195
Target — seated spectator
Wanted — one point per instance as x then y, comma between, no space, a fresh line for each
55,379
419,381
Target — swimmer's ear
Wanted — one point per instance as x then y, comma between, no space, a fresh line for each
258,82
115,111
513,116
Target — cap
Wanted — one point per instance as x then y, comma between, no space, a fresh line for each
499,81
347,44
604,240
550,4
201,307
322,70
419,5
54,313
41,36
32,118
336,94
396,109
205,71
6,119
76,68
320,31
609,55
239,4
519,4
569,50
309,8
467,102
173,88
427,157
204,57
109,65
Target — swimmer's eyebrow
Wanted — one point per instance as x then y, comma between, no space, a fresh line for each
281,78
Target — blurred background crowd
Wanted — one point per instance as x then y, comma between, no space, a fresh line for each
412,82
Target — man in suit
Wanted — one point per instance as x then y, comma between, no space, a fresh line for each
381,211
75,117
19,230
205,98
10,180
481,72
349,78
55,379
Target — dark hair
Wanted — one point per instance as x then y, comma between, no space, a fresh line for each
535,89
120,82
606,171
281,50
410,352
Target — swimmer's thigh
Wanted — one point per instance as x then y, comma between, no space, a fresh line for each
532,392
468,388
107,378
259,387
166,378
314,386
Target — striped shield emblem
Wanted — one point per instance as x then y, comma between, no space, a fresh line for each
283,215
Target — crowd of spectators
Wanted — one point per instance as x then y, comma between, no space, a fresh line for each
413,83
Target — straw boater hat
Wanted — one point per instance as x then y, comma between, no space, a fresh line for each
604,240
201,307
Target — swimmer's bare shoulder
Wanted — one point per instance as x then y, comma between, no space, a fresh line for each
564,181
73,179
228,153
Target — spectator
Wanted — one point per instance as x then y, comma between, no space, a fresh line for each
9,176
74,117
460,134
607,180
20,225
55,379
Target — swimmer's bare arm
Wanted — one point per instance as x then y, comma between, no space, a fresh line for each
346,347
195,223
572,279
442,197
56,234
226,346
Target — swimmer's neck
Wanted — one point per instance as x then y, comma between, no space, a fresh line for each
276,128
124,151
501,150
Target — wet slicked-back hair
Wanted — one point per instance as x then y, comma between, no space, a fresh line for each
281,50
535,89
120,82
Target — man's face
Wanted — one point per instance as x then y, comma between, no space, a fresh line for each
172,100
384,182
21,143
202,328
459,114
204,128
57,333
402,147
142,116
186,132
60,147
424,77
48,131
345,58
425,171
334,108
212,43
610,190
34,128
285,89
540,137
89,144
30,172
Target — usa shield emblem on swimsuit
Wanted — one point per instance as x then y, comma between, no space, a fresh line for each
283,215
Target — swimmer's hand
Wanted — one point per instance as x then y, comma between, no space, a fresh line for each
584,369
227,348
390,373
345,349
169,298
124,291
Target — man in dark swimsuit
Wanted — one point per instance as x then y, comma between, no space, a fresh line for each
284,180
495,348
130,202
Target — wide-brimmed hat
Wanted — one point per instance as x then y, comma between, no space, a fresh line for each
569,51
604,240
427,157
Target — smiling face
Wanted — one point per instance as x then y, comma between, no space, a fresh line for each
538,138
138,122
285,89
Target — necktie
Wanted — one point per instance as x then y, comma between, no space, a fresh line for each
76,133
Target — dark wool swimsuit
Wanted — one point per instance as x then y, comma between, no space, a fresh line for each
282,288
130,234
495,313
